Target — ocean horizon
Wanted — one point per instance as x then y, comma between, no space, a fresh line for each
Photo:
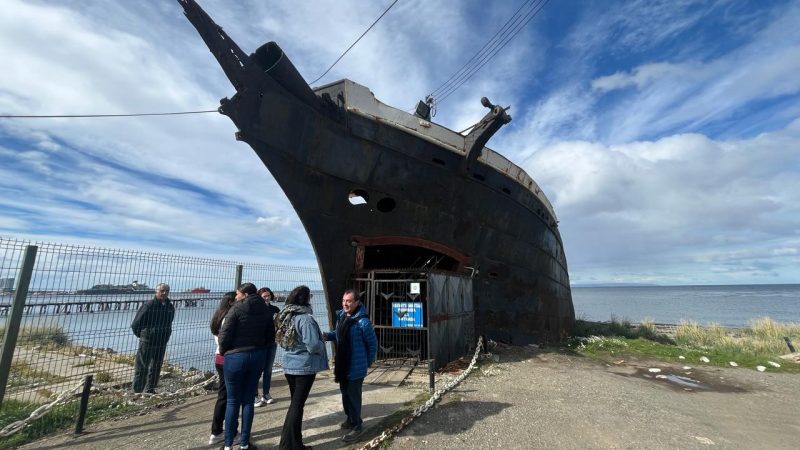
727,305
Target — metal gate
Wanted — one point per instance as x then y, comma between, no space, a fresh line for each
418,315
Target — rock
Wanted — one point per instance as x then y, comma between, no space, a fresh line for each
654,370
761,368
773,364
687,368
705,359
681,357
704,440
733,364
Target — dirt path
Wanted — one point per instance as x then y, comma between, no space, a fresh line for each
536,399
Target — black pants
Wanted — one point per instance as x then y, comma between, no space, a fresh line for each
351,401
147,366
218,422
299,388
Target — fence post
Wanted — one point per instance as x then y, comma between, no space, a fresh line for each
789,344
431,377
14,319
238,280
87,389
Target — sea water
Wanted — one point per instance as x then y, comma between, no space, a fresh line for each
729,305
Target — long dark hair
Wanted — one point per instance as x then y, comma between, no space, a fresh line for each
224,306
248,289
300,295
266,289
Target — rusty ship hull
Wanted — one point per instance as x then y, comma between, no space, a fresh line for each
428,195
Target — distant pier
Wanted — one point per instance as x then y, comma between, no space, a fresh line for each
99,305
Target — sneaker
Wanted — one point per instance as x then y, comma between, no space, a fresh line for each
216,438
353,435
260,402
345,425
268,399
249,447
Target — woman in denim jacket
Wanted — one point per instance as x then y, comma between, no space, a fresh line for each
304,355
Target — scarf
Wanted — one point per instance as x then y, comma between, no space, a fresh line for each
286,334
344,349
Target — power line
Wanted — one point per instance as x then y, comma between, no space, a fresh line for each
505,36
436,91
73,116
494,50
354,43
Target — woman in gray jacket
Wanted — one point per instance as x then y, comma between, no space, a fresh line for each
304,355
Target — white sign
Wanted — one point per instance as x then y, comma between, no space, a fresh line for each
415,288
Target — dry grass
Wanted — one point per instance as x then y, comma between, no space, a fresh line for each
46,336
763,337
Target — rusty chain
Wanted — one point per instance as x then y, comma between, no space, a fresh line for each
64,397
69,394
389,432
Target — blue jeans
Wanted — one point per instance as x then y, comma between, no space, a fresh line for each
268,363
351,400
241,381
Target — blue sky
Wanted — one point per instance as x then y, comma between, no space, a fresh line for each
665,133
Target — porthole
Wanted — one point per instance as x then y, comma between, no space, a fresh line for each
358,197
386,204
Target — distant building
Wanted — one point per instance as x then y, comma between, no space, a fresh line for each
6,284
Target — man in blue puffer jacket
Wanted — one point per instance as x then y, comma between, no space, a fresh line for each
356,349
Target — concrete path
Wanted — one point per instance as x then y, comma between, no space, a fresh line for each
188,425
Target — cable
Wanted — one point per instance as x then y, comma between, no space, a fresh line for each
505,36
436,91
72,116
527,18
496,48
354,43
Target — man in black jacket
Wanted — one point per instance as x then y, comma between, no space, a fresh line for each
153,326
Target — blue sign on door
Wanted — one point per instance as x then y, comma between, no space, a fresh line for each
407,314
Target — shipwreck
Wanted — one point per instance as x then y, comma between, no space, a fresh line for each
401,208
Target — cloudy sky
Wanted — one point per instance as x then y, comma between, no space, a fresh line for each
666,133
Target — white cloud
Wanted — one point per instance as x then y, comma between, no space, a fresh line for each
274,221
683,201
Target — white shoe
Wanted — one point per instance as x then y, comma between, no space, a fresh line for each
260,402
268,399
217,438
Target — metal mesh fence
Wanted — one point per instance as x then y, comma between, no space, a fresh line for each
81,302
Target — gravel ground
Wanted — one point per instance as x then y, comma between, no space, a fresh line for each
543,399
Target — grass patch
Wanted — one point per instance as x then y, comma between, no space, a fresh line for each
763,337
84,363
103,377
23,374
47,336
59,418
123,358
750,347
621,328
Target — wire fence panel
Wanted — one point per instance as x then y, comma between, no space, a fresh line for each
82,301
